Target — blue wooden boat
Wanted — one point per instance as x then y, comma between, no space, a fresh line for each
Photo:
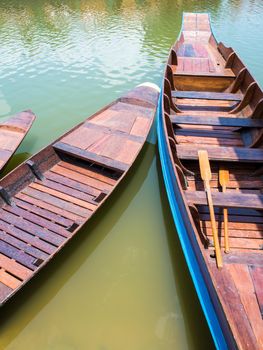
210,144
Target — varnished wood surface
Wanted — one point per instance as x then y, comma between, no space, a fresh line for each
12,133
211,102
47,199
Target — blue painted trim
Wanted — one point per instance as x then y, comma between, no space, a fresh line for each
187,237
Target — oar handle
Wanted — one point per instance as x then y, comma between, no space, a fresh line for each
213,223
226,237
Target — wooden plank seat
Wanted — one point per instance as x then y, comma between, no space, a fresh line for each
208,137
216,121
227,199
90,156
203,95
226,73
228,154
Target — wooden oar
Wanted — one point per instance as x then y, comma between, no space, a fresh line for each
223,180
206,177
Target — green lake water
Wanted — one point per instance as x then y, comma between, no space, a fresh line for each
122,283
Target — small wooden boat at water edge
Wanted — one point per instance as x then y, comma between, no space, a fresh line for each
210,137
46,200
12,133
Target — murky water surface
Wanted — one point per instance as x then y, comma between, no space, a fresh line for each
122,283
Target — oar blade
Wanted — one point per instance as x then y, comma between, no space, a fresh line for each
205,170
223,177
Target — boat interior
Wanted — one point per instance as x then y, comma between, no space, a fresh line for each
212,103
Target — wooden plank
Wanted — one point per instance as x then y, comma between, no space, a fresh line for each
233,184
31,228
118,149
217,121
240,212
138,110
128,152
247,244
192,106
207,133
245,287
202,82
114,119
207,95
65,197
91,157
233,211
72,184
90,172
27,238
139,97
14,268
9,139
244,234
256,220
233,307
83,137
76,176
43,205
246,258
57,202
232,154
140,128
209,141
40,212
4,291
37,253
9,280
67,190
18,255
133,137
205,73
226,199
38,220
5,155
237,223
256,273
20,122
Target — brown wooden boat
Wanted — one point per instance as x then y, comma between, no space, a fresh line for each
46,200
12,133
210,141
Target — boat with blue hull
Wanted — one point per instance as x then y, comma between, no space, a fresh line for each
210,142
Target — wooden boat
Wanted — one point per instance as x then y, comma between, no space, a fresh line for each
12,133
210,142
46,200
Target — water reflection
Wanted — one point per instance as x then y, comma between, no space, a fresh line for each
122,283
